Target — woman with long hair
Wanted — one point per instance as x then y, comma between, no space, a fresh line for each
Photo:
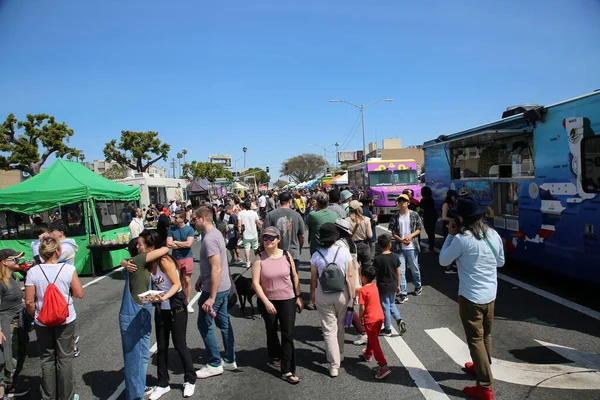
14,336
170,317
430,216
478,250
449,202
56,343
277,287
362,232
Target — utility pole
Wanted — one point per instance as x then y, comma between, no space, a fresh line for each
173,165
336,154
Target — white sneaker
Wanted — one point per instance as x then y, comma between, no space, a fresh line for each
149,389
360,340
248,264
188,389
334,372
229,366
158,392
190,309
207,371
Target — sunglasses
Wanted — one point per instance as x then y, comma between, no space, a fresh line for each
14,259
266,238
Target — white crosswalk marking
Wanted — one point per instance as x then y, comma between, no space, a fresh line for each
423,379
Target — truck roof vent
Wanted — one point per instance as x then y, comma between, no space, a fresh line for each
518,109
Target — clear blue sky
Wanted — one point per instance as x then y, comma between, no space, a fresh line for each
215,76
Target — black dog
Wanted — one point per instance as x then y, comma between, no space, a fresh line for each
245,291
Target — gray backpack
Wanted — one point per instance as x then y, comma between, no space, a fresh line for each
332,279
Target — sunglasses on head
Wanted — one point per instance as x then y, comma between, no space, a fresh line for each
267,238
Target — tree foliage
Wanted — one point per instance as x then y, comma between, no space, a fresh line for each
23,148
114,172
280,183
261,175
304,167
205,170
135,148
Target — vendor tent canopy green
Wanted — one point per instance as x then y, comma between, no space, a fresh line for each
63,182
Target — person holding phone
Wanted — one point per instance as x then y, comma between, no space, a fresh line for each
277,287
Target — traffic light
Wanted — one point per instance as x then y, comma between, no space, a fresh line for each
327,170
286,168
267,170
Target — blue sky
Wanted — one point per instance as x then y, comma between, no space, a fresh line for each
214,77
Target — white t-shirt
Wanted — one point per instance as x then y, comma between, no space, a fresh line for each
342,259
35,277
404,226
262,201
249,219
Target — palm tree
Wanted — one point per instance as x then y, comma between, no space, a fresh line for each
184,152
179,157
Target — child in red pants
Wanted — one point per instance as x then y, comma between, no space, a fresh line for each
371,314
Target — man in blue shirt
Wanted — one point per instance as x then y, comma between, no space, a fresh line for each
181,238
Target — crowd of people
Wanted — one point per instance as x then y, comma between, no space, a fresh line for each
350,284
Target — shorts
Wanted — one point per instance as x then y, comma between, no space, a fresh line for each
185,266
232,243
250,244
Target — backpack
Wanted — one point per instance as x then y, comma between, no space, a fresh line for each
332,279
55,309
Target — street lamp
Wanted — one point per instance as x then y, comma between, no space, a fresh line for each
235,171
362,115
244,149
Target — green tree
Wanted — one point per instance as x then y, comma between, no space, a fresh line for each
114,172
280,183
304,167
22,141
135,148
260,175
205,170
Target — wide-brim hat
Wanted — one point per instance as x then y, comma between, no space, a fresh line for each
467,206
328,232
343,224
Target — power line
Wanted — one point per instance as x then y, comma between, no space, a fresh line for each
351,134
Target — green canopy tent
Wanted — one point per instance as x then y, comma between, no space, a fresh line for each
83,200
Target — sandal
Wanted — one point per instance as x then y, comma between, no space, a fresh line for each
275,364
290,378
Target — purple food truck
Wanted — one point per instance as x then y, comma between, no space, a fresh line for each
384,181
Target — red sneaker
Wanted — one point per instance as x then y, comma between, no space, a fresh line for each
470,368
479,392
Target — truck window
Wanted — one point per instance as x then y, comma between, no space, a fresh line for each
380,178
590,176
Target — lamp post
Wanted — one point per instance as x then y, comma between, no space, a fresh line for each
362,116
235,171
244,149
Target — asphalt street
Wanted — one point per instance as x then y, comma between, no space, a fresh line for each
424,361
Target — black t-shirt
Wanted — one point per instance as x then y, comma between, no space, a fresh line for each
162,227
387,269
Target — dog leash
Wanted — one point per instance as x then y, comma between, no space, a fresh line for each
242,274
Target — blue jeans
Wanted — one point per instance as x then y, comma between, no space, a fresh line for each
135,322
389,307
412,258
205,326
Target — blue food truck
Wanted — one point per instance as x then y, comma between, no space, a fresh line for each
537,171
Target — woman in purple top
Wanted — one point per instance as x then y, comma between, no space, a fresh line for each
277,287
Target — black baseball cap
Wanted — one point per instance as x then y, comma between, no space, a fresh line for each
8,253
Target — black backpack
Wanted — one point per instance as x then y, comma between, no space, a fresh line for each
332,279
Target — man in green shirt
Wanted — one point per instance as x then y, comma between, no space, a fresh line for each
318,218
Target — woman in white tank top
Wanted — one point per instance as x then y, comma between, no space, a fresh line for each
170,318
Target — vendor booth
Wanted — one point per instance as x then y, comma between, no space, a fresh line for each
96,211
197,191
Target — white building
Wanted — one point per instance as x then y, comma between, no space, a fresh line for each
155,189
101,166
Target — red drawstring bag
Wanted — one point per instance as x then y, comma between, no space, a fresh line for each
55,309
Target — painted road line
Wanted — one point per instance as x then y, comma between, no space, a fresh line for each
427,385
555,376
564,302
540,292
102,277
121,387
